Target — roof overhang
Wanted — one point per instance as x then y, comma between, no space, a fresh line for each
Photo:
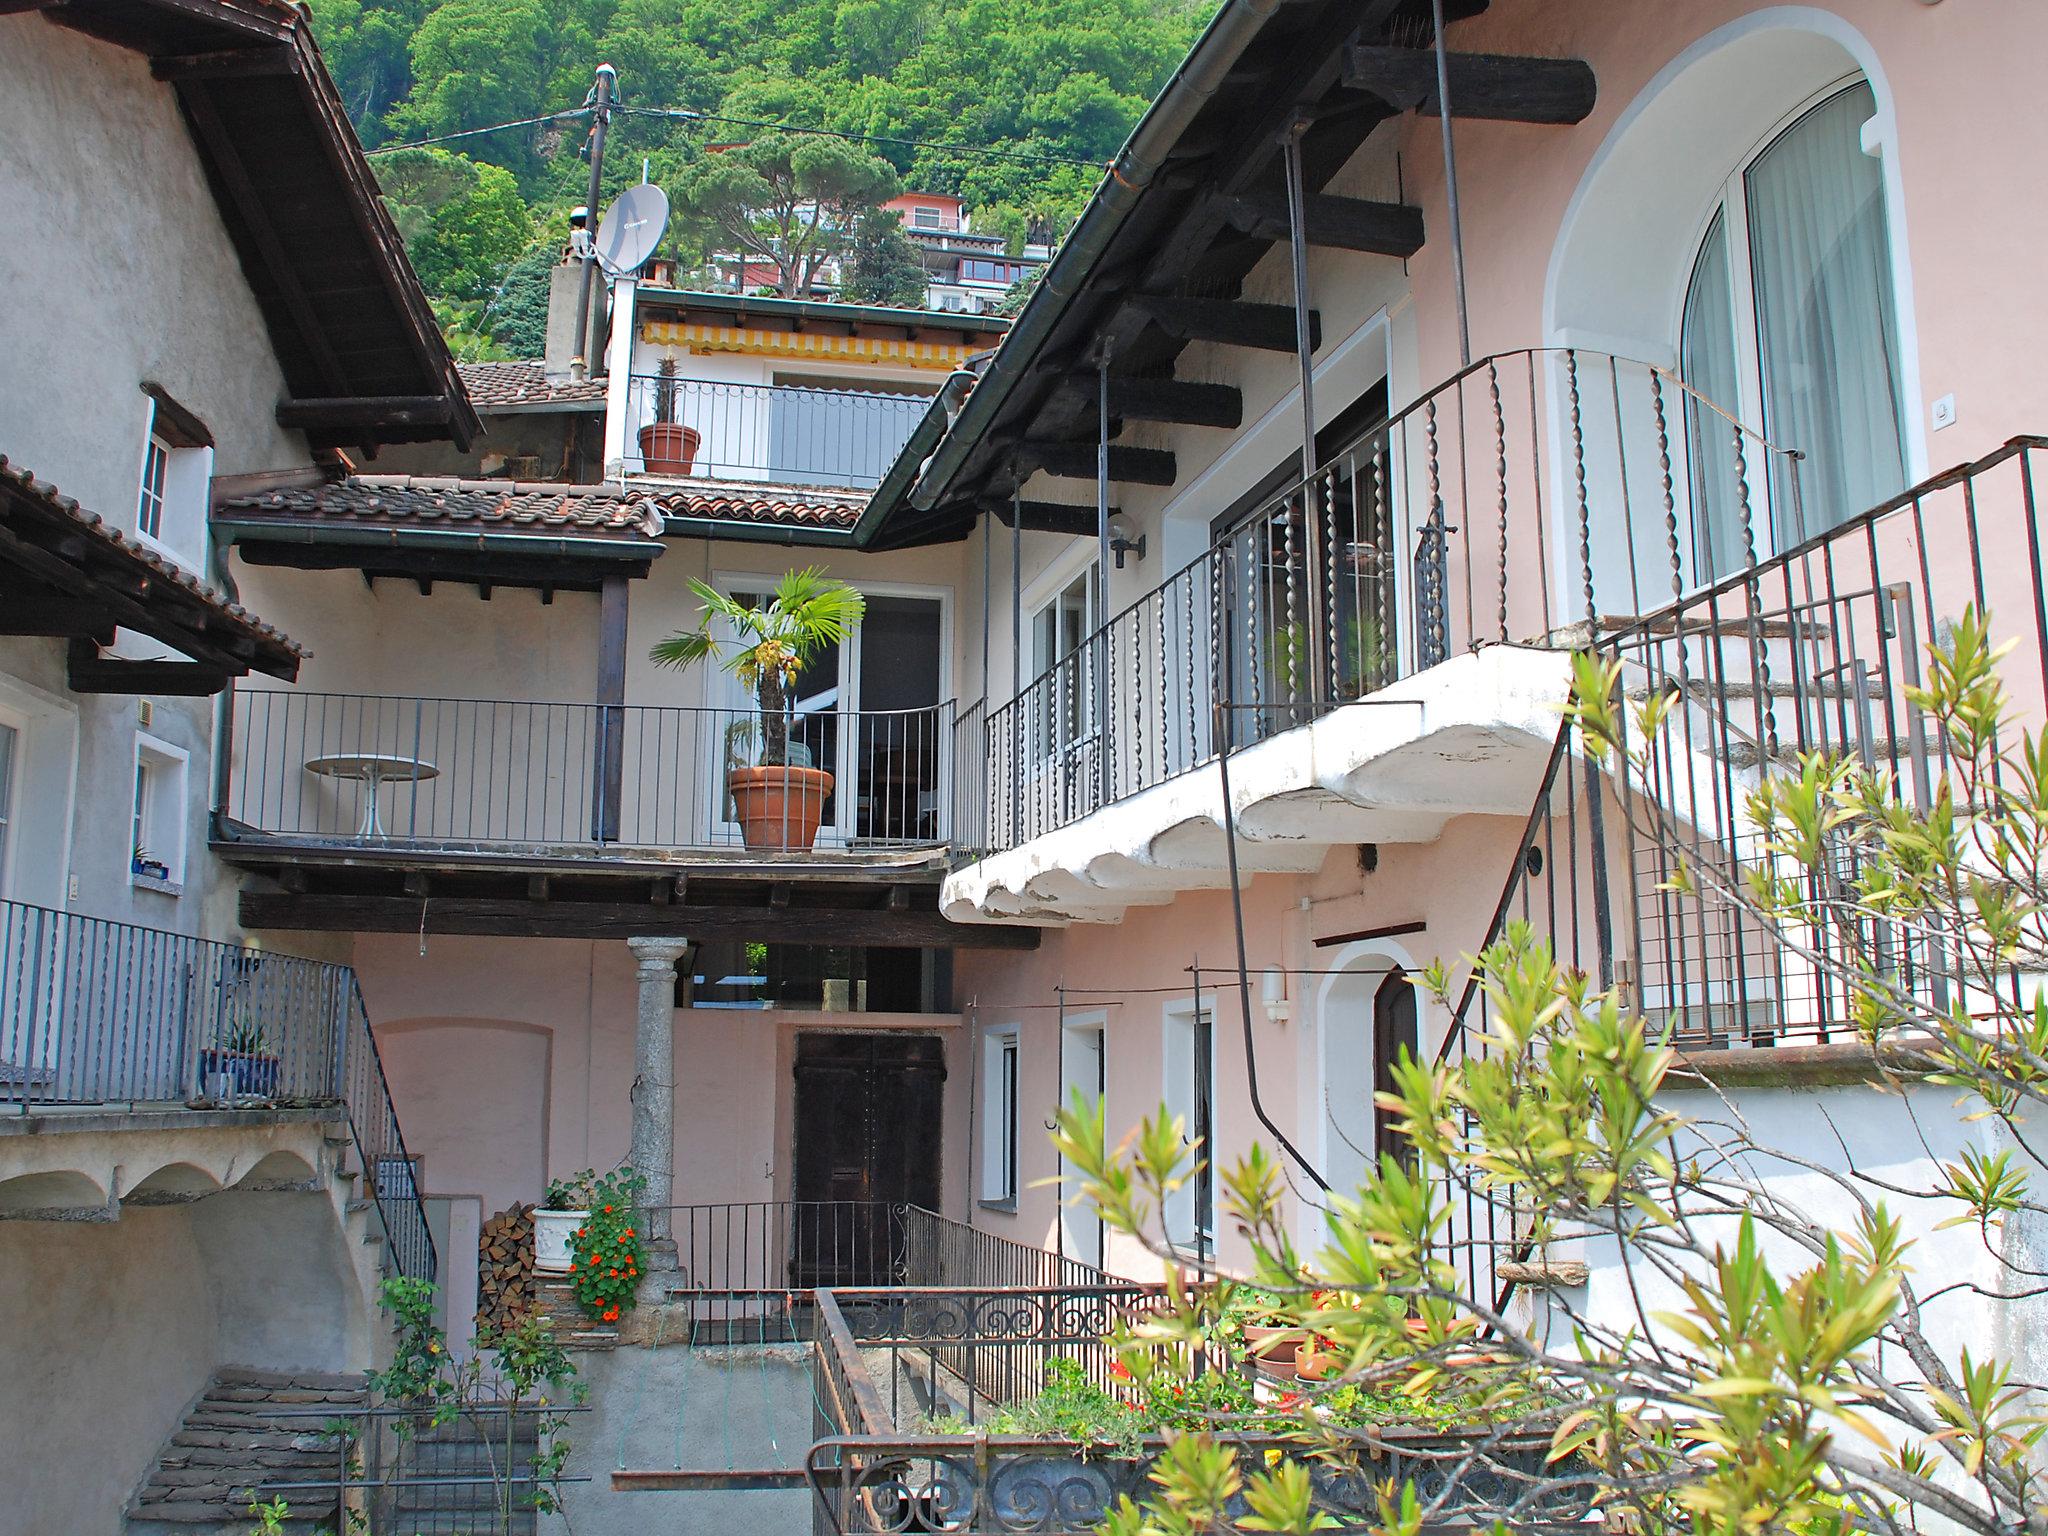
66,573
363,360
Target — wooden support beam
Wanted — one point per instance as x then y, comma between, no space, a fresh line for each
226,64
1341,223
26,613
536,887
778,894
626,919
1076,461
90,672
1069,517
1493,86
415,883
250,207
1232,322
660,892
365,413
1175,400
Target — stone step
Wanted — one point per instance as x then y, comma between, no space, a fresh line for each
353,1206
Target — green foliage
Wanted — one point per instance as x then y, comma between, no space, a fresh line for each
464,222
881,265
570,1194
607,1253
1041,77
791,201
1792,1386
518,317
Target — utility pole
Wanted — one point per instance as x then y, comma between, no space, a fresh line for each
601,95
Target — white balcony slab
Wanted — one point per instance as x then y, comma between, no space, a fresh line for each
1469,737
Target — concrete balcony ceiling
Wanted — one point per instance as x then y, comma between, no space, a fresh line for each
1467,738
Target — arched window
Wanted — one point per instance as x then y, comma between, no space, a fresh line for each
1788,319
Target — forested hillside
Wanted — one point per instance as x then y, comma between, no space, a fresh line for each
1013,104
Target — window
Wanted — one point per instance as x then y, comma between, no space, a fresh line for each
925,218
177,463
156,858
1060,632
149,515
999,1117
973,270
1190,1095
1788,321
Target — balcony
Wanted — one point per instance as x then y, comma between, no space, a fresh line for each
780,434
114,1026
383,777
1381,646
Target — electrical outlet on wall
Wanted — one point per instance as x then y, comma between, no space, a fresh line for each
71,888
1944,412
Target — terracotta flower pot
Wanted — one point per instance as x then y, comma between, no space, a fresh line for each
779,807
1312,1363
1270,1349
668,447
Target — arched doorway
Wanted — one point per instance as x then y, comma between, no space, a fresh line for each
1367,1016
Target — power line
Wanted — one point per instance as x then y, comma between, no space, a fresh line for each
470,133
984,151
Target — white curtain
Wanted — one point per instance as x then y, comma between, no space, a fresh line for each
1821,270
1707,360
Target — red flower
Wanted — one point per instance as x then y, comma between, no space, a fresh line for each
1120,1371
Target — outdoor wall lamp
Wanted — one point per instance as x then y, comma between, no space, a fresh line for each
1123,537
1273,994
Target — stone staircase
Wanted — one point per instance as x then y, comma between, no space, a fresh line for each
447,1483
249,1430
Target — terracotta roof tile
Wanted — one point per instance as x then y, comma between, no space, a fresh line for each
45,495
494,386
752,501
445,502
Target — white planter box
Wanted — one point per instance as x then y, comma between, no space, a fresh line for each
551,1233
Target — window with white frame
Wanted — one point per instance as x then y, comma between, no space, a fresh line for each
999,1117
177,464
157,824
1789,322
1189,1093
1061,660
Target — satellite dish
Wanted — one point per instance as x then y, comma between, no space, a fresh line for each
631,229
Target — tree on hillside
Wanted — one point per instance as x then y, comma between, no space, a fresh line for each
464,223
881,265
790,201
1777,1348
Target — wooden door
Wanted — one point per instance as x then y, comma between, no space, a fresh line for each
1394,1035
867,1141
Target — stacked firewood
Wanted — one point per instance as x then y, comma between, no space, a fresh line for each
504,1275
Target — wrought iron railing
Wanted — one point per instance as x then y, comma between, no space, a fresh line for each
782,433
1814,650
101,1012
493,773
1525,491
889,1367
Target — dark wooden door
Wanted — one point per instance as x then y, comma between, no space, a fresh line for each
1393,1036
867,1141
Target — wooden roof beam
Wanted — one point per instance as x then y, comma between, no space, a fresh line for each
90,672
351,414
1175,400
1492,86
1230,322
1068,517
1341,223
1076,461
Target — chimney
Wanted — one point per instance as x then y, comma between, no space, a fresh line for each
563,282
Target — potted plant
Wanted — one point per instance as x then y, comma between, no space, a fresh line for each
250,1070
666,446
778,801
143,862
564,1206
607,1253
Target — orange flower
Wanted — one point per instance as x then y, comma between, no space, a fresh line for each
629,1233
607,1210
1120,1371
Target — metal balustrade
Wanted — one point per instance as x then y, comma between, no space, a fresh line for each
1522,497
787,434
446,773
1816,650
94,1012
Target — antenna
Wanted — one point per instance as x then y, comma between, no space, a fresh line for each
632,228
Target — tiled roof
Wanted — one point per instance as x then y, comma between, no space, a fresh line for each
443,502
494,386
222,609
751,501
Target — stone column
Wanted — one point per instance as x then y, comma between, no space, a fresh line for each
654,1087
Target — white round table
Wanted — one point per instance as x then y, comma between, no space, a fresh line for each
372,770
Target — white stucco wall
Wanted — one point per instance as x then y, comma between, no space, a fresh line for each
117,270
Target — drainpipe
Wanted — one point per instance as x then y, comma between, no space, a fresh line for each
1304,351
1443,113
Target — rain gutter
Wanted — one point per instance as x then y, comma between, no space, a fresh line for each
259,531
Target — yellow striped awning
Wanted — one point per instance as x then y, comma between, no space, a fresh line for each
817,345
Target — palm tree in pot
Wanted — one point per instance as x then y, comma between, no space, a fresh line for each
778,803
